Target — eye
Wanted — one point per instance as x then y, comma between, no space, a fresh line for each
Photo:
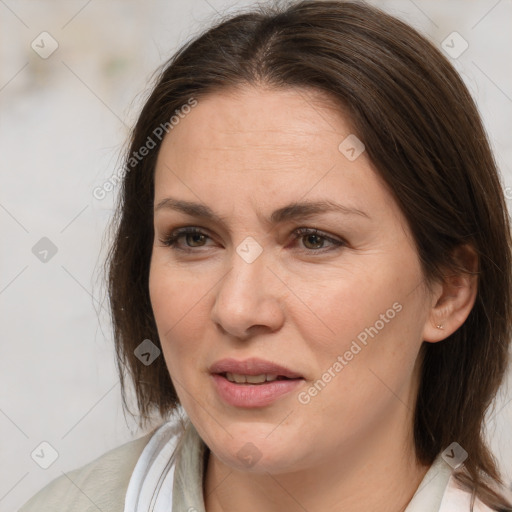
194,237
314,240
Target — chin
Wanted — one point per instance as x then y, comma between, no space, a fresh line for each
254,453
251,459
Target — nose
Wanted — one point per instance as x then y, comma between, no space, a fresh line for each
249,299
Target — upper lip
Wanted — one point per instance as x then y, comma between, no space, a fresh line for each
252,366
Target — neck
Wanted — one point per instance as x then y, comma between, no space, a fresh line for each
378,471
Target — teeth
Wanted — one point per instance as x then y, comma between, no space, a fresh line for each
250,379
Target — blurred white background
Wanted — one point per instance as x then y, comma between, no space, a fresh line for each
63,122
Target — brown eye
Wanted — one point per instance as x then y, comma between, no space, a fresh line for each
185,239
195,239
315,241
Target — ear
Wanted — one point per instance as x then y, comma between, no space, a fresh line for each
453,299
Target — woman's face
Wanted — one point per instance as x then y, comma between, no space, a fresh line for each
343,308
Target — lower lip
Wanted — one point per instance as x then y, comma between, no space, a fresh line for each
253,395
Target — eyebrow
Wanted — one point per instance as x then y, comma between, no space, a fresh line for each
296,210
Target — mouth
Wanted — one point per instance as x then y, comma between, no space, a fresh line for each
252,370
253,379
253,382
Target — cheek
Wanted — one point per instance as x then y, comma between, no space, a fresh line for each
368,317
334,311
180,313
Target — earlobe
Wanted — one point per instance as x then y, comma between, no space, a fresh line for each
454,298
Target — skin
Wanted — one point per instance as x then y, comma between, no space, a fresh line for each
245,153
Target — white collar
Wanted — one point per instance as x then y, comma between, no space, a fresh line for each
456,499
439,492
151,484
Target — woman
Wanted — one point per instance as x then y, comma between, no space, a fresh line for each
312,263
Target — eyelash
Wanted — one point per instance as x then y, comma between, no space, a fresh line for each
171,239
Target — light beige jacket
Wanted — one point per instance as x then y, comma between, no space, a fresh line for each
100,484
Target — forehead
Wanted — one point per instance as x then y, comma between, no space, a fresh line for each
253,107
257,150
258,128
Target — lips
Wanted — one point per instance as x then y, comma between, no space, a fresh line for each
252,366
253,383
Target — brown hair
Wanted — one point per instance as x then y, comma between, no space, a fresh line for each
424,135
